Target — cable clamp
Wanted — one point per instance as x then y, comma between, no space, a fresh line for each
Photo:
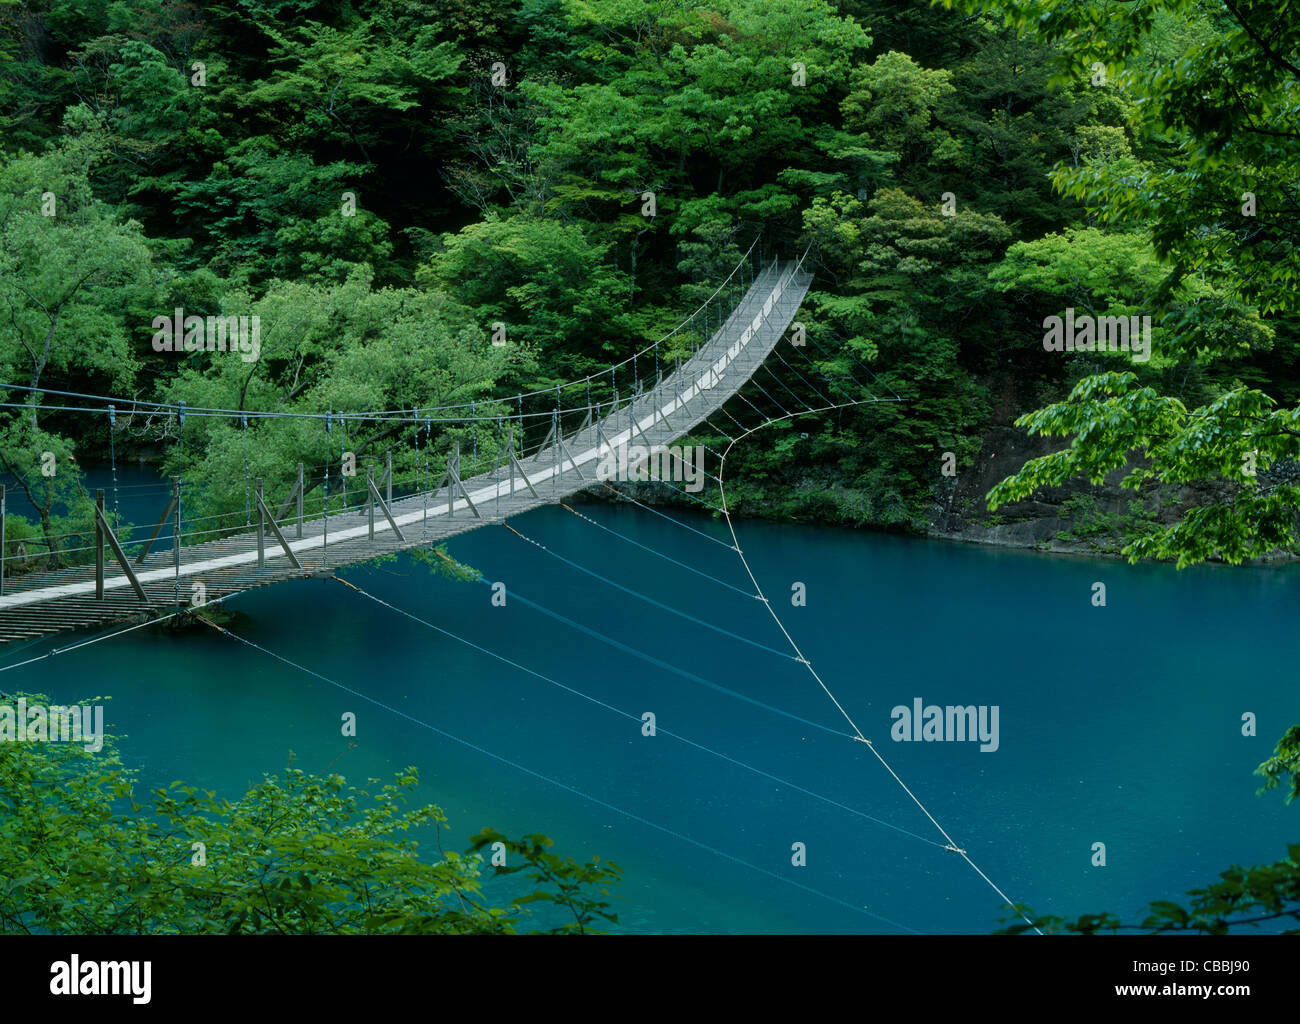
954,849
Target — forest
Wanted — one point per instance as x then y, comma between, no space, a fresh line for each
381,182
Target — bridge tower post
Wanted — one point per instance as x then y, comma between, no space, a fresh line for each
261,526
677,385
104,532
299,530
176,537
99,547
370,498
453,466
325,511
2,540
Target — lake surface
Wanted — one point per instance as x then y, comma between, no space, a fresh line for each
1118,725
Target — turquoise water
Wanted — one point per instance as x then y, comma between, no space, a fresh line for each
1119,725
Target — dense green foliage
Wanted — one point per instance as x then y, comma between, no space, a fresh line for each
1207,199
208,155
297,854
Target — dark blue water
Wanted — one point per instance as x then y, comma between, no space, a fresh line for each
1119,725
133,491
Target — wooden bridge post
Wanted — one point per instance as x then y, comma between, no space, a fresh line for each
176,535
104,532
370,497
496,472
99,546
261,525
510,444
264,516
452,457
375,499
299,531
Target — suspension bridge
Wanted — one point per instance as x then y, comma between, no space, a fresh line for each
118,588
717,353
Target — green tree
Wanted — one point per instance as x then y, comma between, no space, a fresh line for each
71,273
336,348
551,286
297,854
1219,208
901,274
262,212
350,82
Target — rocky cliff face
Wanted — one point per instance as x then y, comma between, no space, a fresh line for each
1078,518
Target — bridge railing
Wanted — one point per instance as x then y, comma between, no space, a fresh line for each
727,301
